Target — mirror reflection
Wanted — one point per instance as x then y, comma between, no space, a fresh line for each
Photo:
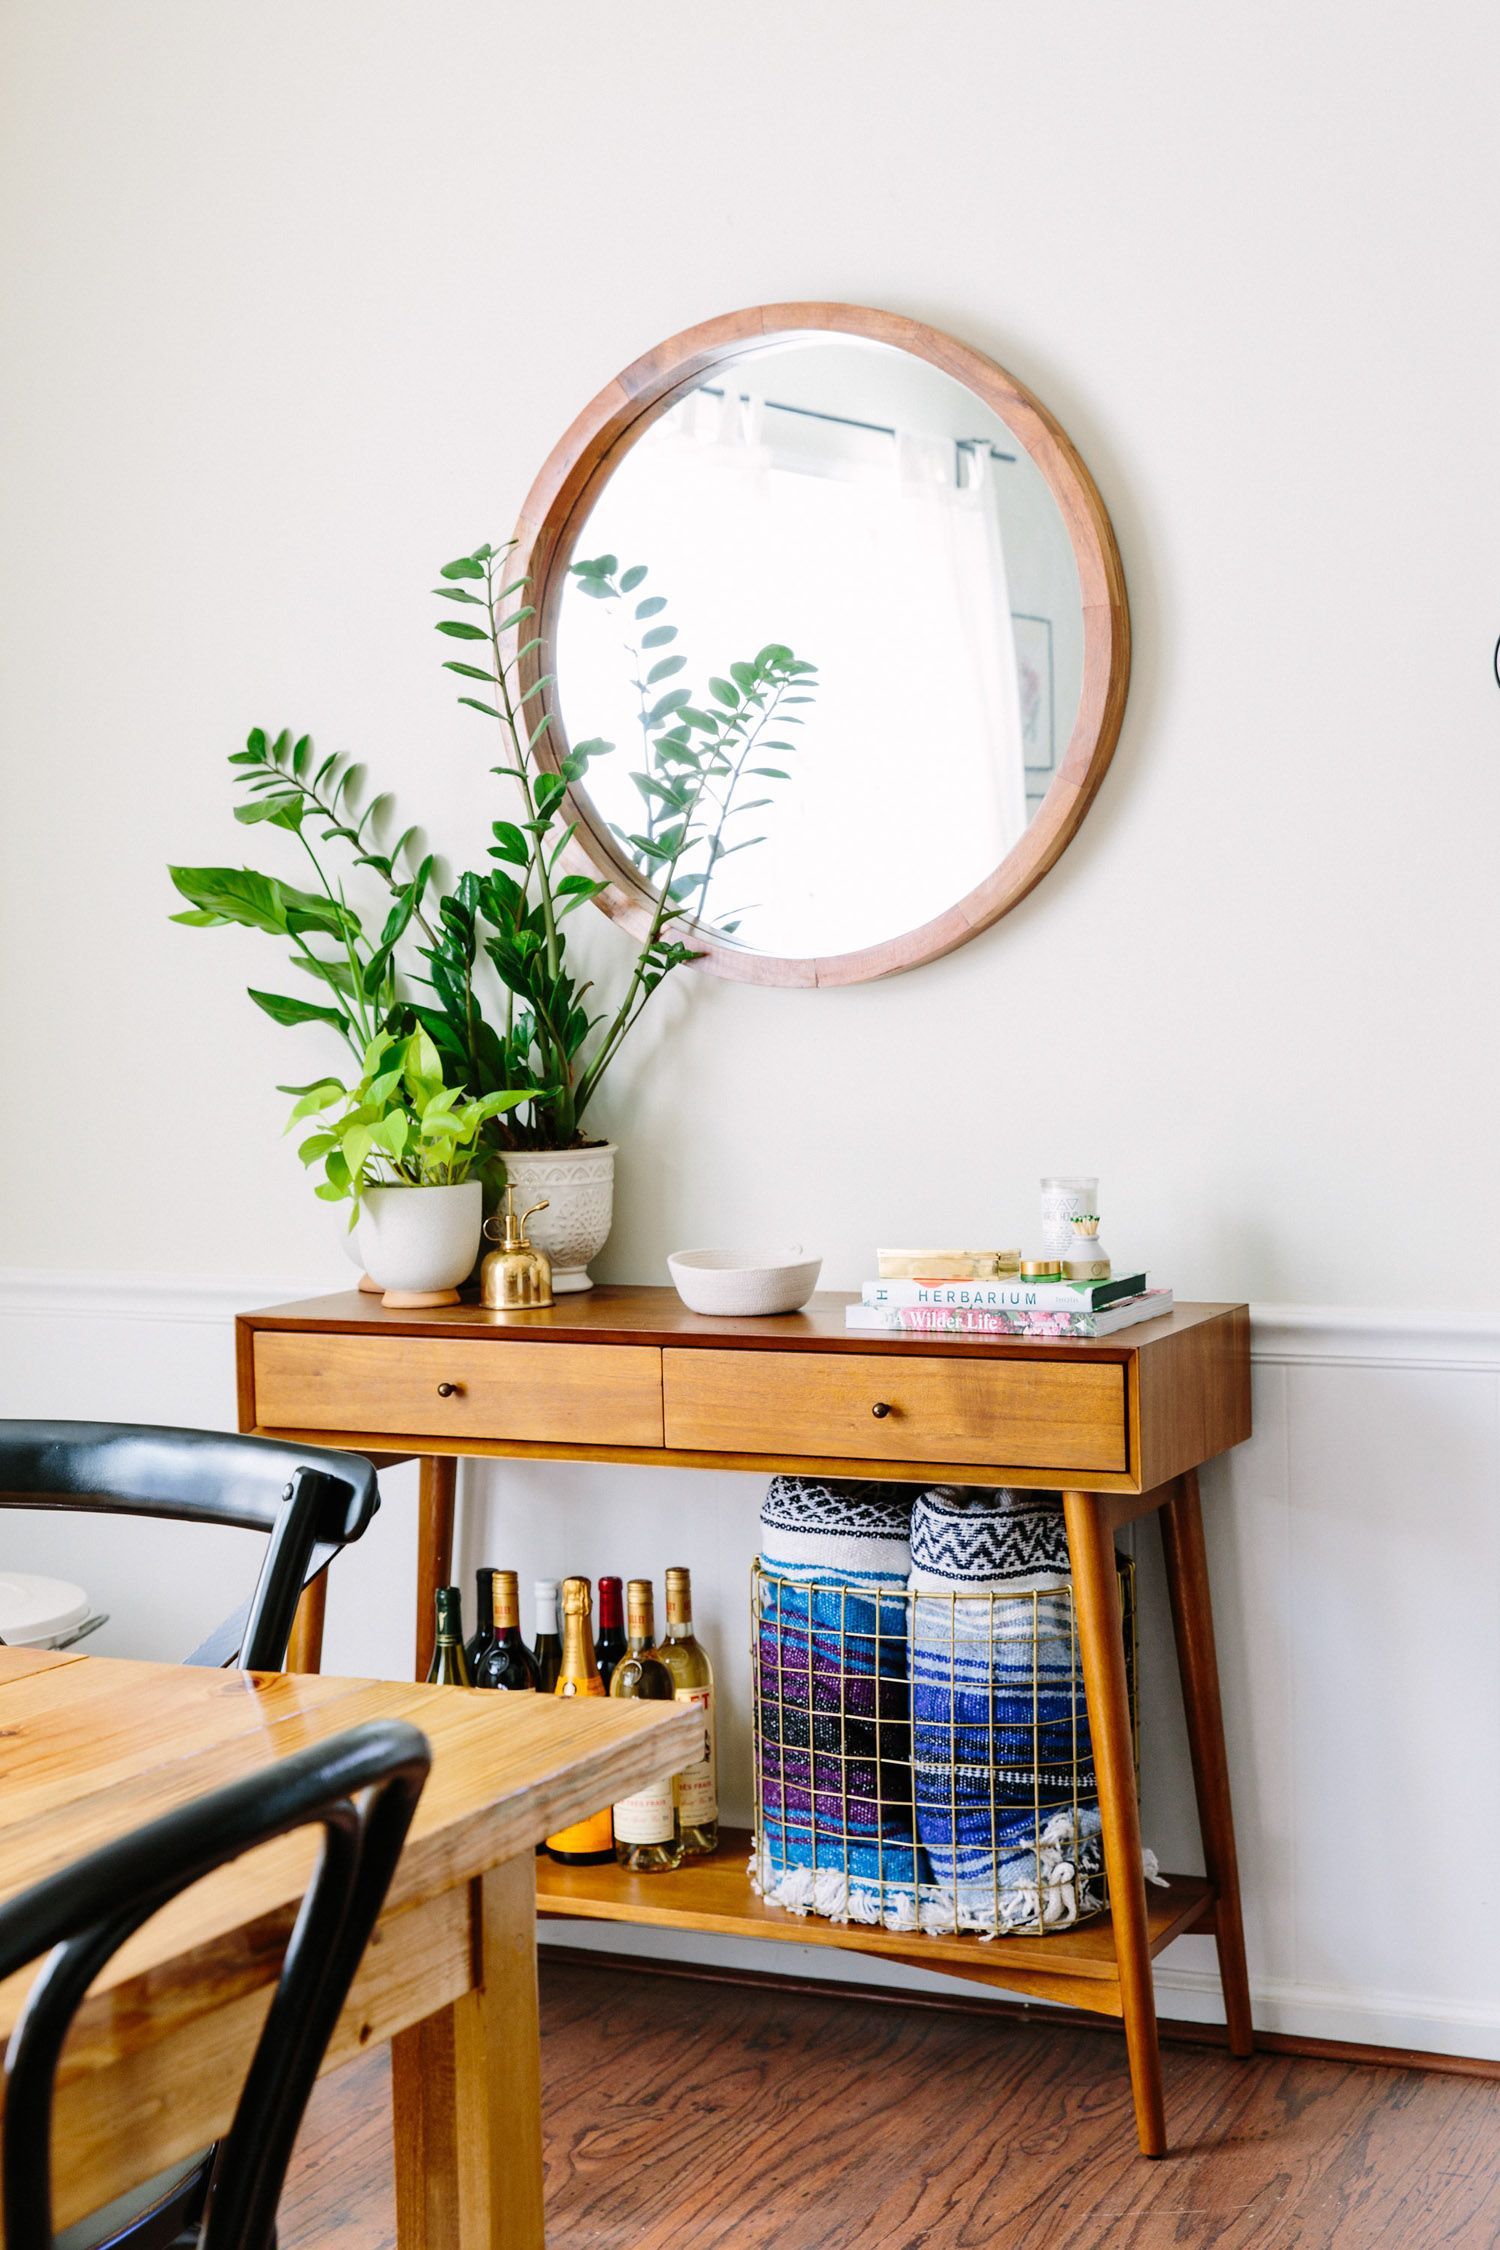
826,611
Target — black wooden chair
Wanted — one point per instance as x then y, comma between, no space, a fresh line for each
311,1502
361,1788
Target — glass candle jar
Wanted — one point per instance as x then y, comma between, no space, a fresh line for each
1065,1197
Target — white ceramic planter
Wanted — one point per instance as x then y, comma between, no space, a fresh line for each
579,1187
419,1243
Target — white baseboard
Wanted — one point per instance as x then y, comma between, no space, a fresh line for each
1304,2011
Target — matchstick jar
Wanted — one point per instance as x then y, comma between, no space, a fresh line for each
1065,1197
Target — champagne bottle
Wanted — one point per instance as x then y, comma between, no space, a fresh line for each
507,1662
484,1620
610,1645
589,1842
548,1648
449,1663
696,1788
646,1839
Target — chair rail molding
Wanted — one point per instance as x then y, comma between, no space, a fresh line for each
1281,1335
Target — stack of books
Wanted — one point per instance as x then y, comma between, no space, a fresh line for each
1006,1306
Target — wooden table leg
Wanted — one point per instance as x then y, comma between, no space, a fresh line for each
1193,1624
304,1650
439,1483
1101,1645
467,2091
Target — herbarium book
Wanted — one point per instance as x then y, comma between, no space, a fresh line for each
981,1321
1007,1296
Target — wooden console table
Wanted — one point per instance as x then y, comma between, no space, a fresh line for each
1121,1427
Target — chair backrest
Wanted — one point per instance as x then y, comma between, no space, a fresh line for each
361,1788
310,1501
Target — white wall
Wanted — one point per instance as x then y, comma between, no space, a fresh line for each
295,301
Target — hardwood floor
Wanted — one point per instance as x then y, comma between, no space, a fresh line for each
739,2117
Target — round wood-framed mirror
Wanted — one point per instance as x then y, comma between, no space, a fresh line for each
860,553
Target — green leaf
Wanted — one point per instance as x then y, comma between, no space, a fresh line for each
724,693
674,700
659,636
467,566
519,617
652,606
254,901
475,705
282,810
281,1009
457,630
510,844
630,579
468,671
337,975
665,669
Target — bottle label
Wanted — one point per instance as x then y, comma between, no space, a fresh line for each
647,1817
697,1786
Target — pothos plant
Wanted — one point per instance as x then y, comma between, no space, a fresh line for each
399,1124
425,963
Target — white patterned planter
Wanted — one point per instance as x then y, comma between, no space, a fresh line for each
578,1185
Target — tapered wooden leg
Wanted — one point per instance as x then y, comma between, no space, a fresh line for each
1101,1646
1193,1624
304,1650
466,2087
439,1483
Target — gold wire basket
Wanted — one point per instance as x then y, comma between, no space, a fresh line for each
923,1761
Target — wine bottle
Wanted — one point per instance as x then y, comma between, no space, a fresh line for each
449,1663
610,1645
547,1648
507,1662
696,1788
646,1839
589,1842
484,1620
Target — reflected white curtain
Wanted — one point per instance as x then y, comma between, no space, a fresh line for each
963,557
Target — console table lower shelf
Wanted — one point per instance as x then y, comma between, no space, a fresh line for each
1076,1967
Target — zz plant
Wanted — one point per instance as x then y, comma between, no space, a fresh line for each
481,971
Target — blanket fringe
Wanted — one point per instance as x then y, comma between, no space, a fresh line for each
1059,1896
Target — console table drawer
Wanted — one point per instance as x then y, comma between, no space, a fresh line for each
412,1386
1036,1414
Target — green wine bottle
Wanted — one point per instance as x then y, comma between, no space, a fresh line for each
449,1663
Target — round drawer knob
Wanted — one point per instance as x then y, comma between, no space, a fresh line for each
880,1410
447,1390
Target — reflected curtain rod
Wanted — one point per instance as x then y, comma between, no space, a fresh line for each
850,422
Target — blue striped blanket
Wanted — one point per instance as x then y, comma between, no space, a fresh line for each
1006,1800
834,1835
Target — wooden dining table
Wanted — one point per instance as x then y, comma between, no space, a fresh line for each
91,1747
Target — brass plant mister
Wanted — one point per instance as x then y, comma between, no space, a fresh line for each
517,1277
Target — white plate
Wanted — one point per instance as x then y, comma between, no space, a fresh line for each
36,1612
